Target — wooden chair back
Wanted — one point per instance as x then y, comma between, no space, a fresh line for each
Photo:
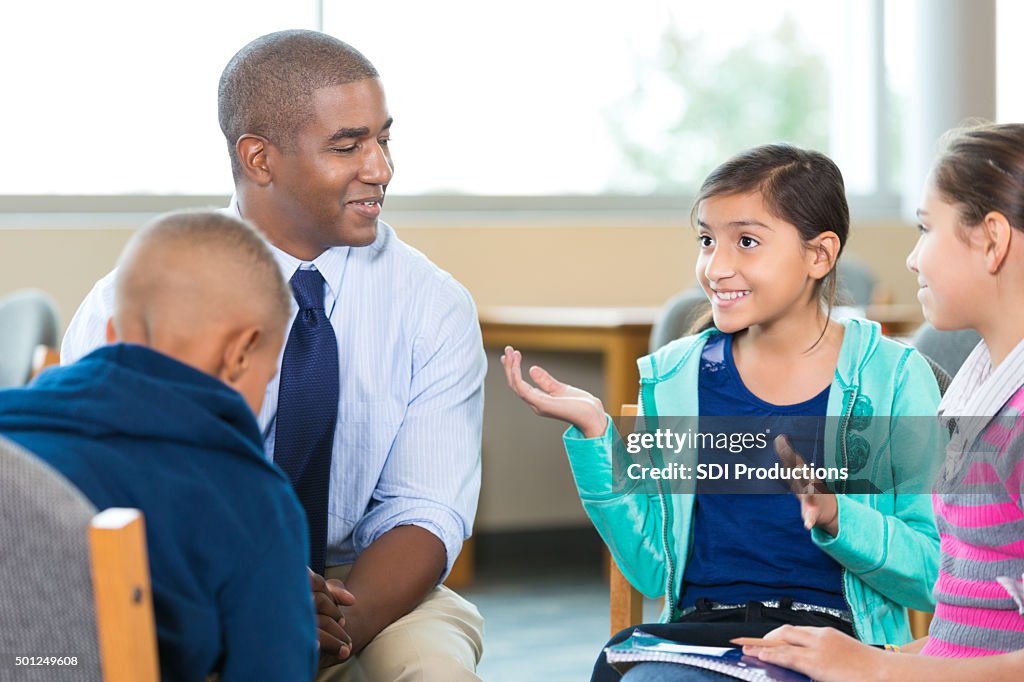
124,601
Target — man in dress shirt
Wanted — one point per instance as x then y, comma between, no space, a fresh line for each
308,129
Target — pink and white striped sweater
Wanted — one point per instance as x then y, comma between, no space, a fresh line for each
979,510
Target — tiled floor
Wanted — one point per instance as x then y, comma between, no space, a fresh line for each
546,627
545,620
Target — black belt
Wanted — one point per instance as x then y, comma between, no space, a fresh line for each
840,614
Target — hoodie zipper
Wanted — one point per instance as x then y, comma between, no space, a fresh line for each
847,413
670,581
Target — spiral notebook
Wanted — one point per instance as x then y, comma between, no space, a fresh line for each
642,647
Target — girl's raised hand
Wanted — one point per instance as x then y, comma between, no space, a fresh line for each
552,398
818,505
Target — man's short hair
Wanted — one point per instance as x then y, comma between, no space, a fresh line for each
267,87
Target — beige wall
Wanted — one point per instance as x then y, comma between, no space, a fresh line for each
501,263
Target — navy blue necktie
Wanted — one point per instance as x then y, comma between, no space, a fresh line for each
307,408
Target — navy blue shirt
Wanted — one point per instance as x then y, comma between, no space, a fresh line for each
226,536
753,546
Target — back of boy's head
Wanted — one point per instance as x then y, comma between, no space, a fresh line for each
980,169
189,273
267,87
801,186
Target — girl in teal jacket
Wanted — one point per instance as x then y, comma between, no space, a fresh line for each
772,223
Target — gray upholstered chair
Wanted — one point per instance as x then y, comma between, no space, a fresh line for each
28,319
856,283
946,349
46,595
74,584
677,316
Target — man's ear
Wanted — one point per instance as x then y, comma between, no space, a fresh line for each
824,251
238,354
252,151
996,234
111,332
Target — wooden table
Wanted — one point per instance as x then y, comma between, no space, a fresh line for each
898,319
620,335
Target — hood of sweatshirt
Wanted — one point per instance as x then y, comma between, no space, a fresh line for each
125,390
860,340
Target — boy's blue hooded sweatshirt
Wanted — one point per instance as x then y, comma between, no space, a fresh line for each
226,536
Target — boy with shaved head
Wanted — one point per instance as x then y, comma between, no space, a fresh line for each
203,288
163,420
377,411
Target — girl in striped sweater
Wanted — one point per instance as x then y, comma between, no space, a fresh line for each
969,262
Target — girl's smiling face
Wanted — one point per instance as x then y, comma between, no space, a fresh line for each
753,266
950,268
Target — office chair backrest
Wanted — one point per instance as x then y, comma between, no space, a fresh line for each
28,318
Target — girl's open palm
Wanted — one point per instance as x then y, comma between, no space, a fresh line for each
551,398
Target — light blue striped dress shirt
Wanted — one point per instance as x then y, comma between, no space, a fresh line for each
411,361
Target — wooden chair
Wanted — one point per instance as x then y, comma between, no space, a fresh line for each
919,622
124,601
464,569
627,603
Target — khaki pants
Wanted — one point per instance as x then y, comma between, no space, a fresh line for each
440,640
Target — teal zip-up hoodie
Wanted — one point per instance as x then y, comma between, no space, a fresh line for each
887,544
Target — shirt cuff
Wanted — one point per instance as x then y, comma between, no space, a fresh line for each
862,532
441,523
592,462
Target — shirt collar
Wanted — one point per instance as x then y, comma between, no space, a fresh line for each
330,263
978,390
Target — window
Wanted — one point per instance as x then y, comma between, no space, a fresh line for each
120,96
1010,96
539,97
574,97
